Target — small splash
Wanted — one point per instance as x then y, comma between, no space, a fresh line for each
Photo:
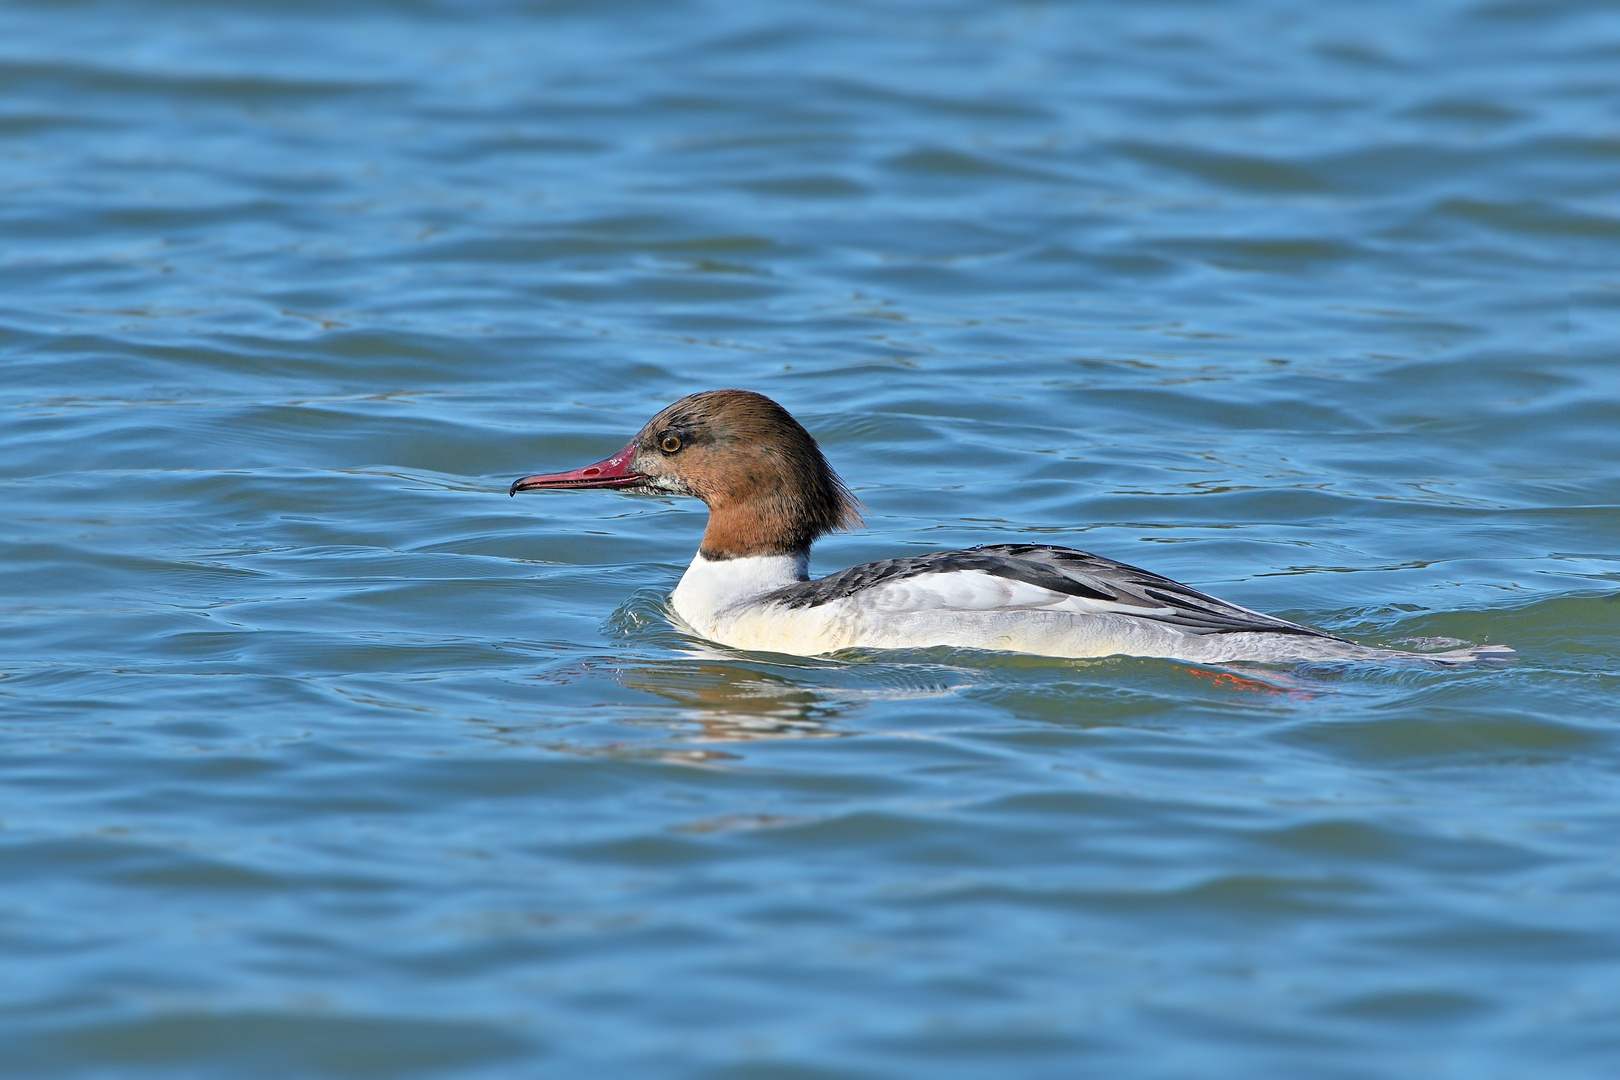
1430,644
645,618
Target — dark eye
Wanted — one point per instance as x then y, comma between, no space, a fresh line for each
670,444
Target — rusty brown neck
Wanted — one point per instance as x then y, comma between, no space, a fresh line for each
757,527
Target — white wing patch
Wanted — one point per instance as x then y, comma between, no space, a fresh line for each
969,590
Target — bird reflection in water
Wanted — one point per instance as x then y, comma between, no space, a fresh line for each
719,699
738,703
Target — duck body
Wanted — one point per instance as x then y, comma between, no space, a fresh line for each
1023,598
771,493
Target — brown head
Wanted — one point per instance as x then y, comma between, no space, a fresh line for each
768,488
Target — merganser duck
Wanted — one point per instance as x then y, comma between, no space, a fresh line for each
771,493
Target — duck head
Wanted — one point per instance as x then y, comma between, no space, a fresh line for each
768,487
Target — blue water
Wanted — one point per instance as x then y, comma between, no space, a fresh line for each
323,758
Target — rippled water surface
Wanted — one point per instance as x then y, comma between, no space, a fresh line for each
323,758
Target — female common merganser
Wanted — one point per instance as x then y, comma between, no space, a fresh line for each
771,493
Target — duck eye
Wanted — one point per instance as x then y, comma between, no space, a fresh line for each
670,444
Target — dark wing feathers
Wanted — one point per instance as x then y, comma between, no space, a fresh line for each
1127,589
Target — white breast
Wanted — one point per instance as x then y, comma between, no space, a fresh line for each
713,591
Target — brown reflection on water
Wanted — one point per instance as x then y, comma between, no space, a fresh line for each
737,703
